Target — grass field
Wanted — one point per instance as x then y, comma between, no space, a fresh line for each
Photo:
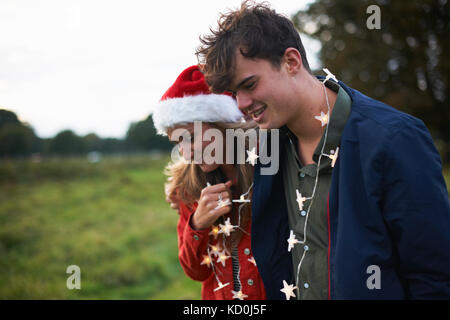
108,218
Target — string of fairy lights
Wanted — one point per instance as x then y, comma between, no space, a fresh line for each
288,289
223,255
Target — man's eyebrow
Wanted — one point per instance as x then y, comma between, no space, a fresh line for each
243,82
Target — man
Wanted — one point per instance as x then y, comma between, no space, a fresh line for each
359,208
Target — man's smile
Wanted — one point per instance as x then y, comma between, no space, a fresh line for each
255,113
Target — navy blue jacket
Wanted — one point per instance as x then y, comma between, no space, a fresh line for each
388,206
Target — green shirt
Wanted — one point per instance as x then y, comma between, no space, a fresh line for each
313,275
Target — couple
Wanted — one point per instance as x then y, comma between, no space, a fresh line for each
358,208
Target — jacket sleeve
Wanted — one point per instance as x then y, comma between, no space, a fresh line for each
415,205
192,245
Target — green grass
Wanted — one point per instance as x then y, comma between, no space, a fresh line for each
108,218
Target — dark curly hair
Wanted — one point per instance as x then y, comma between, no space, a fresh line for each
257,30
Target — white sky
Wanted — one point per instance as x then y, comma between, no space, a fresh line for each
98,65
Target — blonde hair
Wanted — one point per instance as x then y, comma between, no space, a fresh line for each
186,180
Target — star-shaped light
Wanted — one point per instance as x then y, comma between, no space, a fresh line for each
226,228
333,156
323,118
221,203
206,260
292,241
242,199
329,75
288,290
222,257
300,200
214,232
214,250
252,260
238,295
252,156
221,285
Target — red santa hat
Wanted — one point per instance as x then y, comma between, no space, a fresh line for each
189,99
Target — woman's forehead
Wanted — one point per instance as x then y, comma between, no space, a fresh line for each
188,127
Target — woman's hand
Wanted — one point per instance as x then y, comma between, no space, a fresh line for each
208,211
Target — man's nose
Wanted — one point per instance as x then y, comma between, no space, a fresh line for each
244,101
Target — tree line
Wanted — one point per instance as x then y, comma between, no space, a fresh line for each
18,140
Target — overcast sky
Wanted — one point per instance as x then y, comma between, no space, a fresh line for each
98,65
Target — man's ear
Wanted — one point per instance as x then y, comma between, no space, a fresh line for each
292,61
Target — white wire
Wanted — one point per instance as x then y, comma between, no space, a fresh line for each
314,189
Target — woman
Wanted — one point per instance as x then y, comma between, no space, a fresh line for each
214,206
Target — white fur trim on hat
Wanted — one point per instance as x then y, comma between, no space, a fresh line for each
202,107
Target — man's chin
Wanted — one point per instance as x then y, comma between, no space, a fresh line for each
267,126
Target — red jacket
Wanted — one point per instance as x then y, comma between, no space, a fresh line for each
192,247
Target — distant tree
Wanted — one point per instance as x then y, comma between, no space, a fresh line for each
142,136
45,145
37,144
92,142
403,63
15,140
113,145
8,117
66,143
